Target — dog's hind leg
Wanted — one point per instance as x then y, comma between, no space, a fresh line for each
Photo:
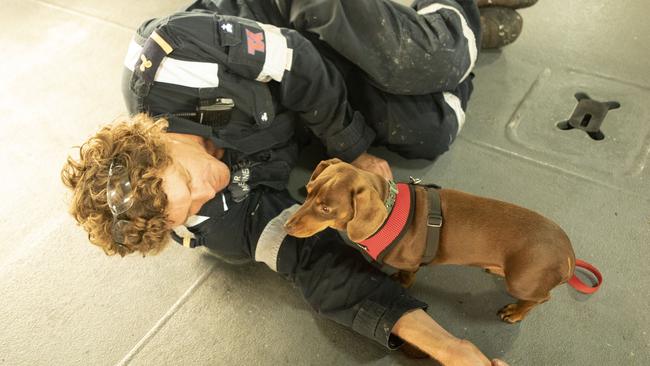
516,312
528,297
531,288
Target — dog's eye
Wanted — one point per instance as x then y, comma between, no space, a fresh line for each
325,209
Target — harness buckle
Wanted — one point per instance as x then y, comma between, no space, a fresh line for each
434,220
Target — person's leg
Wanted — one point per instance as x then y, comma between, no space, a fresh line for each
414,126
428,48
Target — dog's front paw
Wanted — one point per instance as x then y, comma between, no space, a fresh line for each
511,313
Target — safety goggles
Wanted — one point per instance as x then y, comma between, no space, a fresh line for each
119,196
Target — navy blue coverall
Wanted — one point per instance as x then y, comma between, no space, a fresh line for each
251,75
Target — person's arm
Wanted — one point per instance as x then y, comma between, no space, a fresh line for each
340,285
420,330
304,81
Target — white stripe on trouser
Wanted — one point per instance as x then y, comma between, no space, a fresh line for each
271,239
467,32
186,73
278,57
454,103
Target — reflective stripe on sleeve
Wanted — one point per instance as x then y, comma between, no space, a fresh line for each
192,74
278,56
132,55
467,32
271,239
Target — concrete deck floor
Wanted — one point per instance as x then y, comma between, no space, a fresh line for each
63,302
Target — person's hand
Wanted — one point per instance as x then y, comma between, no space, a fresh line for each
420,330
464,353
373,164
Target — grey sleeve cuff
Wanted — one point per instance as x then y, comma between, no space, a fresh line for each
352,141
376,321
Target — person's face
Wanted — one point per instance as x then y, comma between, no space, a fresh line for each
193,178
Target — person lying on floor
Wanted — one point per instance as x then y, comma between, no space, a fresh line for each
234,89
133,182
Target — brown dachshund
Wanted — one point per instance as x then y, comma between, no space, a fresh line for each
531,252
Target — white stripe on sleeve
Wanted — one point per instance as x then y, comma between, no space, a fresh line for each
271,239
278,56
188,73
192,74
132,55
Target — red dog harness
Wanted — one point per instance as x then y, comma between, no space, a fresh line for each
399,219
393,226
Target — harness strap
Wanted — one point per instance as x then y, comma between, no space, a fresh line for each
434,224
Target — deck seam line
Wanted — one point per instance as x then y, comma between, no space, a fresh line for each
84,14
550,166
165,318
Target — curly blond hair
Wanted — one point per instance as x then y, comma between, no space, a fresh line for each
137,142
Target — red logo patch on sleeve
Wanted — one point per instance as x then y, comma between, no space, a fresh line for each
255,42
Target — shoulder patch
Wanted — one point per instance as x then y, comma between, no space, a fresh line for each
154,51
255,42
261,48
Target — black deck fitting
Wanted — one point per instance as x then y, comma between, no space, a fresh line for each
588,116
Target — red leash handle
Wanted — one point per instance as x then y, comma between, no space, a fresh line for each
577,284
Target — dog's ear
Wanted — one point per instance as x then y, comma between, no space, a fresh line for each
369,214
322,165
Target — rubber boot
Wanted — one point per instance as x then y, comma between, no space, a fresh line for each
512,4
500,26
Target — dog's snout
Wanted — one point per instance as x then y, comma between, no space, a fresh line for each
297,226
